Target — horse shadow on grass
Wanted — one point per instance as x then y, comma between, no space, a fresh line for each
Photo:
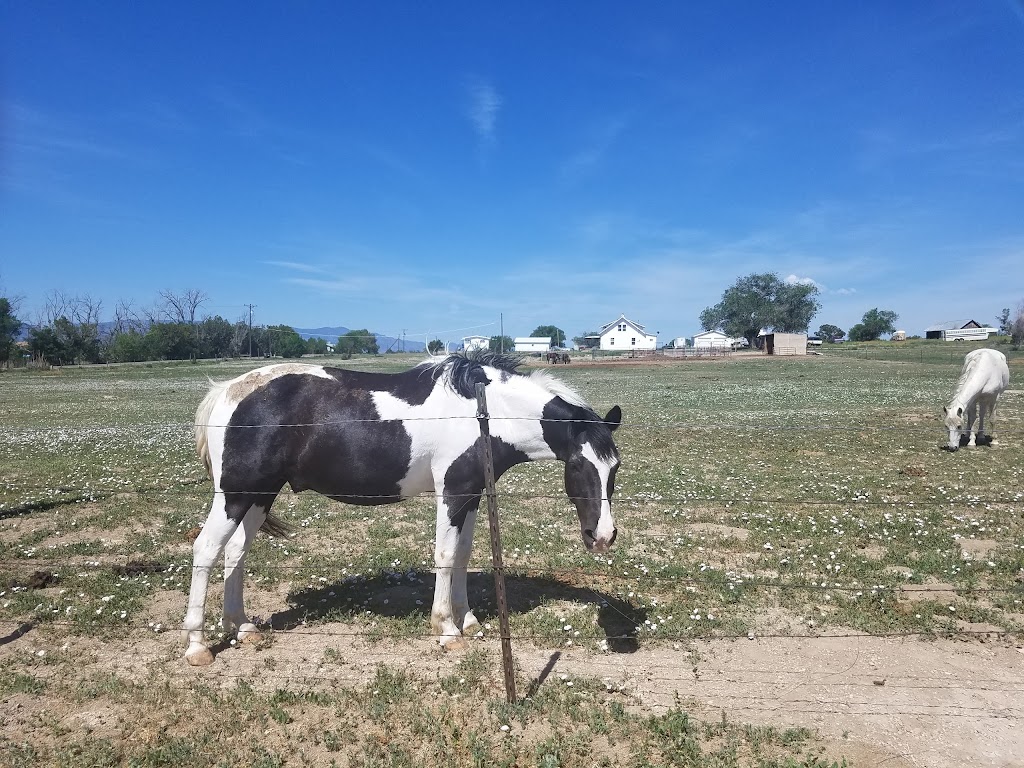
410,594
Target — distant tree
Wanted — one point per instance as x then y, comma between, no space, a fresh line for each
435,347
9,327
44,344
171,341
556,334
828,332
762,301
128,347
583,342
285,342
1004,322
502,344
316,346
874,323
1017,327
355,342
181,308
215,335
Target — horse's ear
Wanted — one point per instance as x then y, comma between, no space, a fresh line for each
614,418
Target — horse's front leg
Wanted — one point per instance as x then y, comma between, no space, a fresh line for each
450,614
972,423
461,611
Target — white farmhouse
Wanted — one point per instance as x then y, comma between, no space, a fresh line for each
473,343
532,343
624,334
712,340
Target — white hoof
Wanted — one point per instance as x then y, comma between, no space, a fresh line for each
249,634
470,625
198,655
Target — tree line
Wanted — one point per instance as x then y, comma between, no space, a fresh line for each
69,332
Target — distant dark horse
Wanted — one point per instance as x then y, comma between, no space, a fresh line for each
558,357
376,438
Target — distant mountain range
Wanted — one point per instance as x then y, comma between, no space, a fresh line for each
384,342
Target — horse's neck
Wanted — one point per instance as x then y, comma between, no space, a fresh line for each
969,389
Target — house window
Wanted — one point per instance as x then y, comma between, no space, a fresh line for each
611,342
634,341
622,326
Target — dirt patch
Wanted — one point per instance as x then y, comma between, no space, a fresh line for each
897,702
932,589
718,531
977,548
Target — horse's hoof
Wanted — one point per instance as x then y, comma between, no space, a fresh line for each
200,656
470,625
454,644
248,634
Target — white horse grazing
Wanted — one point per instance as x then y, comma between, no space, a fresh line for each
984,377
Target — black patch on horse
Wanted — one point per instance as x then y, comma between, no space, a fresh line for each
413,386
464,479
341,449
567,426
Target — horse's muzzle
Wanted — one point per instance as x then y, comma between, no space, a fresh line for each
592,543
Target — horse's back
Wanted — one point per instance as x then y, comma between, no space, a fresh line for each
989,368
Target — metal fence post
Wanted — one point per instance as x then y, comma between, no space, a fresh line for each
496,559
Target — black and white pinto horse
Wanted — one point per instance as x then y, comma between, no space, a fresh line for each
984,377
377,438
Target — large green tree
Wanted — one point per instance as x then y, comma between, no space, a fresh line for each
285,342
357,341
502,344
762,301
553,332
435,347
829,333
874,323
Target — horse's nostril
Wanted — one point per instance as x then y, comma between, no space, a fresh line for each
615,532
590,534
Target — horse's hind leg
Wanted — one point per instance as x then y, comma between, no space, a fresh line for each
234,571
208,545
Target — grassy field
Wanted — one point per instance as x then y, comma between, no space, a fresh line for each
758,497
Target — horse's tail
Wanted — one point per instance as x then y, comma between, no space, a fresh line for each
276,527
203,415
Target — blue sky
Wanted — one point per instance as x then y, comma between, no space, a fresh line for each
431,166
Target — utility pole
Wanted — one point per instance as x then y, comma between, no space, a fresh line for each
250,329
403,339
501,332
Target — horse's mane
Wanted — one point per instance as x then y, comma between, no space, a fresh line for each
465,369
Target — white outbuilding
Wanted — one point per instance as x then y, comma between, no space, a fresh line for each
624,334
712,340
532,343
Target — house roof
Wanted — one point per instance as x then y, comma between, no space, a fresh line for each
531,339
710,333
621,319
950,325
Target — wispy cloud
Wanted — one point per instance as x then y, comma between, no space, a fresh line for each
298,266
484,104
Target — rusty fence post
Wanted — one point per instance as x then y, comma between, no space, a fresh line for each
496,559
